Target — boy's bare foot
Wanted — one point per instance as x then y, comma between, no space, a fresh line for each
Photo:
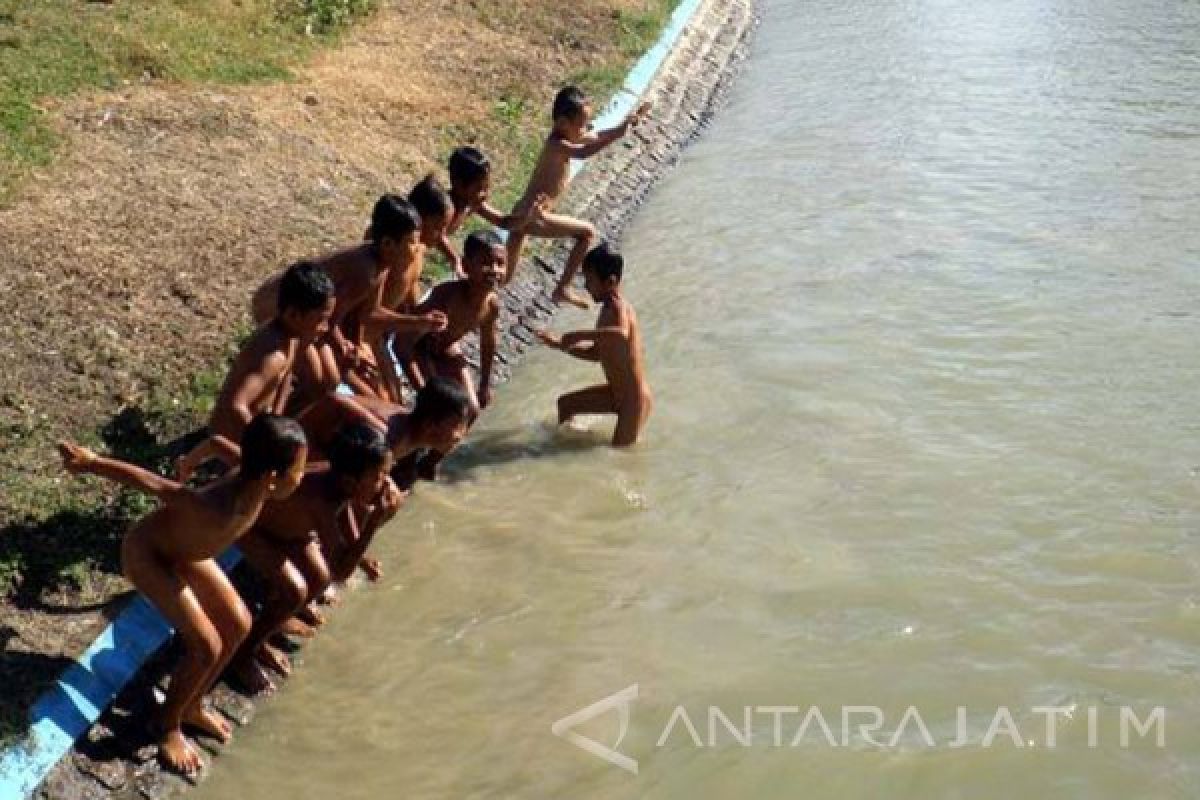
310,615
252,678
274,658
295,627
177,754
563,294
208,722
372,567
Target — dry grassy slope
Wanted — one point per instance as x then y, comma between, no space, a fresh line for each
127,266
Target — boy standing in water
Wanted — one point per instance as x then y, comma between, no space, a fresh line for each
261,376
169,556
616,343
284,546
568,139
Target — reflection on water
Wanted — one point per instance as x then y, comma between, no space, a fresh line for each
919,318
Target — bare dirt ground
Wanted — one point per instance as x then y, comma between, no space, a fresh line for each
129,264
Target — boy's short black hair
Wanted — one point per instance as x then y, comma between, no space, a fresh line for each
393,217
429,197
569,102
305,286
467,165
479,241
438,400
269,444
604,262
356,448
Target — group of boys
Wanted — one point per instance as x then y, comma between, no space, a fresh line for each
308,472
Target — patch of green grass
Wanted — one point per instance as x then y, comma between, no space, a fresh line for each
52,48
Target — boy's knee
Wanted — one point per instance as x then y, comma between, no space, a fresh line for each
205,648
319,579
588,235
240,623
293,590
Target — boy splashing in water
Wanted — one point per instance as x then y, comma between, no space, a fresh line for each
169,556
616,343
568,139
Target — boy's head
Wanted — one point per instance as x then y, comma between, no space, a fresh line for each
360,460
274,447
483,257
441,415
470,174
572,112
602,269
305,303
395,228
433,204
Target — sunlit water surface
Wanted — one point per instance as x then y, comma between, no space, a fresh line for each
920,314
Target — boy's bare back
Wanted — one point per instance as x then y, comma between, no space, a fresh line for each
621,356
259,380
191,524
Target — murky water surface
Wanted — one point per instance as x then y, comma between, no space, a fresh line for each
921,317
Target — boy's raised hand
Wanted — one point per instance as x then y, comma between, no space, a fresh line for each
76,459
639,114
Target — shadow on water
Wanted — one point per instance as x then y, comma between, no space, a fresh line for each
499,447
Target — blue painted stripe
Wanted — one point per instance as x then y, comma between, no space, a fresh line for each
638,80
84,690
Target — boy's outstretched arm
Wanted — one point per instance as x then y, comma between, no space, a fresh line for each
215,446
514,222
487,353
585,351
594,143
451,255
78,460
594,336
386,320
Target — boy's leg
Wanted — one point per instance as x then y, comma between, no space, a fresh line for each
311,563
285,593
512,247
592,400
560,226
232,621
631,418
172,596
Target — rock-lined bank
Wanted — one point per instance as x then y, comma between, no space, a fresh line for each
116,759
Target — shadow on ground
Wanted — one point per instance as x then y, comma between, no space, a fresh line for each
68,568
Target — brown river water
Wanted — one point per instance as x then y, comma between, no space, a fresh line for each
920,317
